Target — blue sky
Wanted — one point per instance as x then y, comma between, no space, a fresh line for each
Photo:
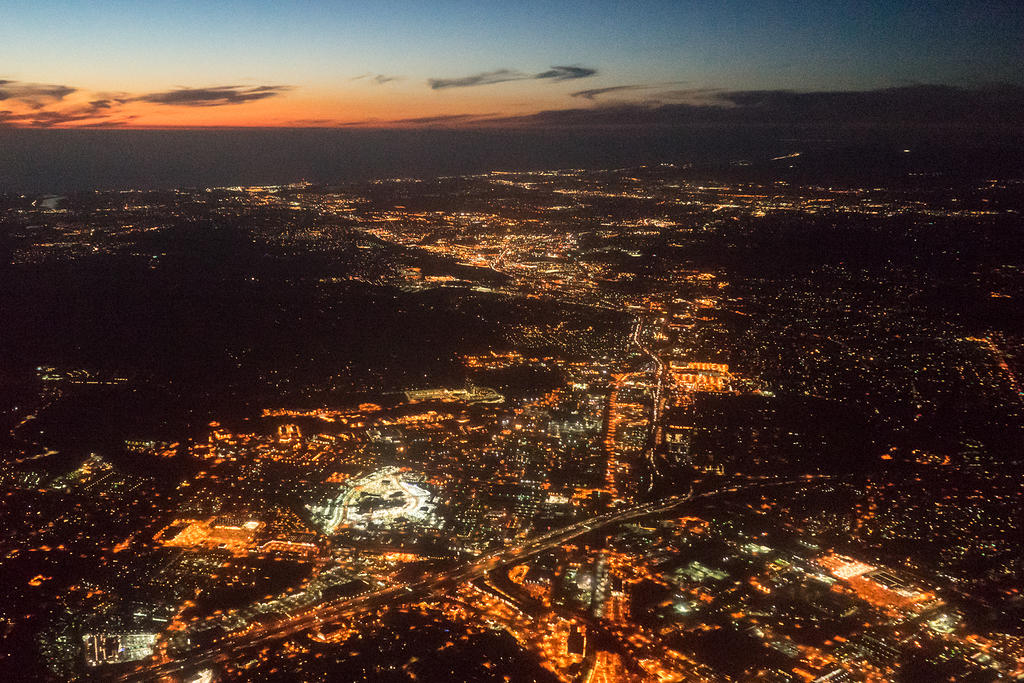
315,50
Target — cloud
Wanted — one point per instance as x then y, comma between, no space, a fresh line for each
314,123
110,123
555,73
915,104
485,78
213,97
566,73
697,96
46,106
438,120
35,95
378,79
444,118
105,111
48,118
593,93
910,107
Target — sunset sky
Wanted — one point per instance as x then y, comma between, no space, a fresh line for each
388,63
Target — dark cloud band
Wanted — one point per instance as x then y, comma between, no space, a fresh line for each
555,73
35,95
38,103
213,97
594,93
566,73
377,79
997,107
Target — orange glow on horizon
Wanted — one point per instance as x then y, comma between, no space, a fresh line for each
353,107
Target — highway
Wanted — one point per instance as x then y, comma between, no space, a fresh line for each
657,406
327,612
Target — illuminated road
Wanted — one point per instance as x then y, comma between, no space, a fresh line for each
325,613
657,408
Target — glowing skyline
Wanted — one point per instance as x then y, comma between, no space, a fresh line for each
316,63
